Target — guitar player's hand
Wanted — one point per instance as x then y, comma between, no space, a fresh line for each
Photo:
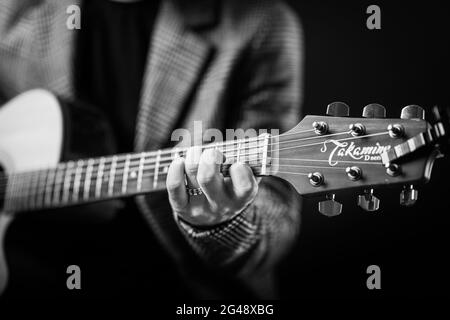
222,198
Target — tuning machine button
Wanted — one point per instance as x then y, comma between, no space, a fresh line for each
354,173
316,179
338,109
330,207
374,110
357,129
393,170
441,126
320,127
413,112
368,201
396,130
409,196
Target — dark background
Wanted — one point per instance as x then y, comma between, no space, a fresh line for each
406,62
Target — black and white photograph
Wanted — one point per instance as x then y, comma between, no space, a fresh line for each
223,158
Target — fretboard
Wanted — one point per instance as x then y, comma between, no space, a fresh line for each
96,179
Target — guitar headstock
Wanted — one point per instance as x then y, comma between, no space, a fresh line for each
326,154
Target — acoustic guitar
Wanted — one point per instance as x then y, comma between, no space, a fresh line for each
319,156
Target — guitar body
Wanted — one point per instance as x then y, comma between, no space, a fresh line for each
31,138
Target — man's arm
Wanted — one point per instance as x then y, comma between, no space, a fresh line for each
254,239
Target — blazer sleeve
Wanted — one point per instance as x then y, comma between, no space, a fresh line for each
253,241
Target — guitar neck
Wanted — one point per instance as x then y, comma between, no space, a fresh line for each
97,179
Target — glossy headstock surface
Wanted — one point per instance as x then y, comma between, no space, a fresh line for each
325,154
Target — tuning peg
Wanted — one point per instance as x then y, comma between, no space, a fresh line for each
368,201
320,127
357,129
330,207
316,178
396,130
338,109
374,110
413,112
408,196
393,169
354,173
441,125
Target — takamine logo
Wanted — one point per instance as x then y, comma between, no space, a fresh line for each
345,149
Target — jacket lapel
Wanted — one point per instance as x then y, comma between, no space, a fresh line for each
176,58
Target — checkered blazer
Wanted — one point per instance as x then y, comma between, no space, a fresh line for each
230,64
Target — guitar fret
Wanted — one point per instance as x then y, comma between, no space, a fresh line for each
155,177
24,191
18,192
98,182
10,194
67,182
32,189
58,181
264,155
238,155
4,198
112,174
87,179
108,177
125,174
77,180
49,187
140,171
41,188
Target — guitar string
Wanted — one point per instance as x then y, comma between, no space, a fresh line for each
70,168
73,165
122,158
148,173
247,154
66,167
115,191
69,164
30,192
41,196
178,150
234,154
26,207
83,175
324,160
71,202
